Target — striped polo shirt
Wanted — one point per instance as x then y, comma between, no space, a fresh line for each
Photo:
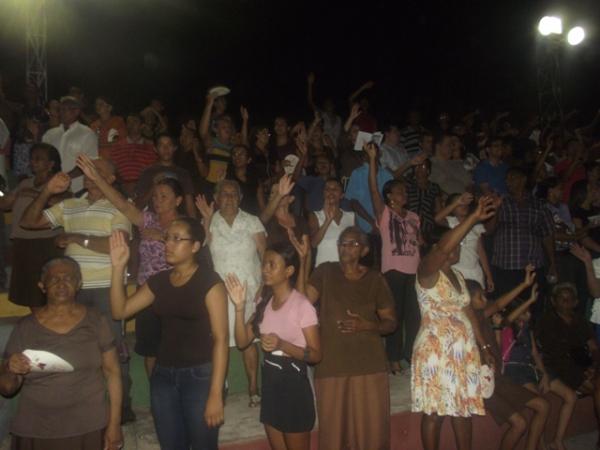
77,215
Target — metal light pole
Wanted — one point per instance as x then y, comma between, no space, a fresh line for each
36,71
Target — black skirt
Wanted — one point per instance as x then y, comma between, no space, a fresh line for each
287,399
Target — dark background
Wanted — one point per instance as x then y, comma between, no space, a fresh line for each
434,55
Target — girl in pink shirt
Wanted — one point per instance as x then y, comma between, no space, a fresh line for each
286,323
400,256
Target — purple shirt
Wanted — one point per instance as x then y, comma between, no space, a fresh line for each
152,253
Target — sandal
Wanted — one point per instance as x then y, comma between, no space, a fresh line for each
254,401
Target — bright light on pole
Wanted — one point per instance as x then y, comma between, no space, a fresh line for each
550,25
576,36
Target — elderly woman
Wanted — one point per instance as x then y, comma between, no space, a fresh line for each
237,242
356,309
64,409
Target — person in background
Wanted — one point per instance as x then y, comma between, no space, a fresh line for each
71,138
286,323
446,341
132,154
356,309
32,248
71,409
29,134
450,174
400,255
186,386
410,135
490,174
473,263
327,224
424,197
332,123
242,170
569,349
109,128
165,167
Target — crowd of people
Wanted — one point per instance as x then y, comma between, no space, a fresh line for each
345,250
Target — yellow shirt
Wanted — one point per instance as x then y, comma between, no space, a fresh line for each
77,215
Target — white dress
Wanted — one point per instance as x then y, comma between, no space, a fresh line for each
469,264
327,250
233,250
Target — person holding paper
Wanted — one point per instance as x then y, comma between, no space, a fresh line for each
63,404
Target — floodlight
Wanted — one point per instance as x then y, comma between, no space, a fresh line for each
576,36
550,25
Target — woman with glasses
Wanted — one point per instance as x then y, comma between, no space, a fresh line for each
166,206
237,242
186,386
351,381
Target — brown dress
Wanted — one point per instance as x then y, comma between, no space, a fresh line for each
351,381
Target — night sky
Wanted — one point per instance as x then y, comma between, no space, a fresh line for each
433,55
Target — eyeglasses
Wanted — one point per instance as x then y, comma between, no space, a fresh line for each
349,243
176,239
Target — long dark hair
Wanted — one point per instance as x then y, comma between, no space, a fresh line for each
287,251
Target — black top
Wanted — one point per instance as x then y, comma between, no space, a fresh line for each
249,188
186,338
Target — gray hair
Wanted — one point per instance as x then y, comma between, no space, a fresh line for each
58,260
221,184
362,236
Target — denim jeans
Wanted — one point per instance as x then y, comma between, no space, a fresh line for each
178,399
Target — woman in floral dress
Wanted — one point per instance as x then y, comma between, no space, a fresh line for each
445,362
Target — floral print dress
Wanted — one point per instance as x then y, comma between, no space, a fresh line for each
445,362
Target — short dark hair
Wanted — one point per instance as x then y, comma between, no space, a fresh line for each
52,152
159,136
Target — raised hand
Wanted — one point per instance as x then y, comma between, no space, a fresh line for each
534,293
581,253
355,111
119,250
244,113
371,150
368,85
302,247
285,185
485,208
87,166
19,364
465,199
59,183
205,209
236,290
529,274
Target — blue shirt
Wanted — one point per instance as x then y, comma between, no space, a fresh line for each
358,189
494,176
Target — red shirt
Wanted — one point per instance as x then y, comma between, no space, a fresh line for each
132,158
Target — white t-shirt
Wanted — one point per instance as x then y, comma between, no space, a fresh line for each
71,142
469,264
327,250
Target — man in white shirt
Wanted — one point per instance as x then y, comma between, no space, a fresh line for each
71,137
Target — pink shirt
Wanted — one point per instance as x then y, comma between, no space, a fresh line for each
288,321
400,241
